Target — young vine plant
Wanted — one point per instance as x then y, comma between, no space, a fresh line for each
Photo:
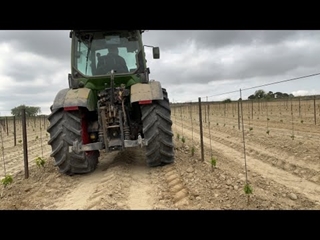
40,162
213,162
192,151
7,180
248,190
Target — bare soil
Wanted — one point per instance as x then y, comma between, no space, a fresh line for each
282,171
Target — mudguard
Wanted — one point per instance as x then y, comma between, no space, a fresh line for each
146,91
81,97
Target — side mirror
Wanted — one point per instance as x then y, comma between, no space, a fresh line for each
156,52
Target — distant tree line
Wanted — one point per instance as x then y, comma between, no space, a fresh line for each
228,100
261,94
30,111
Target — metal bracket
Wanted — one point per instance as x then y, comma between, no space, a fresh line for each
135,143
78,147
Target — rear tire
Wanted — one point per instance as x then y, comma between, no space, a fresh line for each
64,129
157,131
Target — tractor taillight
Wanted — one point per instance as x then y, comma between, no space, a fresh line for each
72,108
145,102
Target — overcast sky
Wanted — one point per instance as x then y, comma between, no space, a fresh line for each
34,65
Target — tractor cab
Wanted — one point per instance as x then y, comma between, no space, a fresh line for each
96,53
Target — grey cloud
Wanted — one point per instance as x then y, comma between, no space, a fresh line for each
279,60
28,95
29,70
249,62
49,43
256,55
29,73
167,39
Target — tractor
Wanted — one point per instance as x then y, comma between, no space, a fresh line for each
110,104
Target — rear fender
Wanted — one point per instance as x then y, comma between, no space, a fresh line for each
144,93
71,99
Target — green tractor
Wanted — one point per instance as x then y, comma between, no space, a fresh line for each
110,104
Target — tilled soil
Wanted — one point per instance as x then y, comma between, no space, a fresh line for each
281,172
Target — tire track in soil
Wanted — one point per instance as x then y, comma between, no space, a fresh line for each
122,181
309,189
97,190
141,190
179,193
150,188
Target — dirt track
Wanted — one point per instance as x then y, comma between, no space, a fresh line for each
283,173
